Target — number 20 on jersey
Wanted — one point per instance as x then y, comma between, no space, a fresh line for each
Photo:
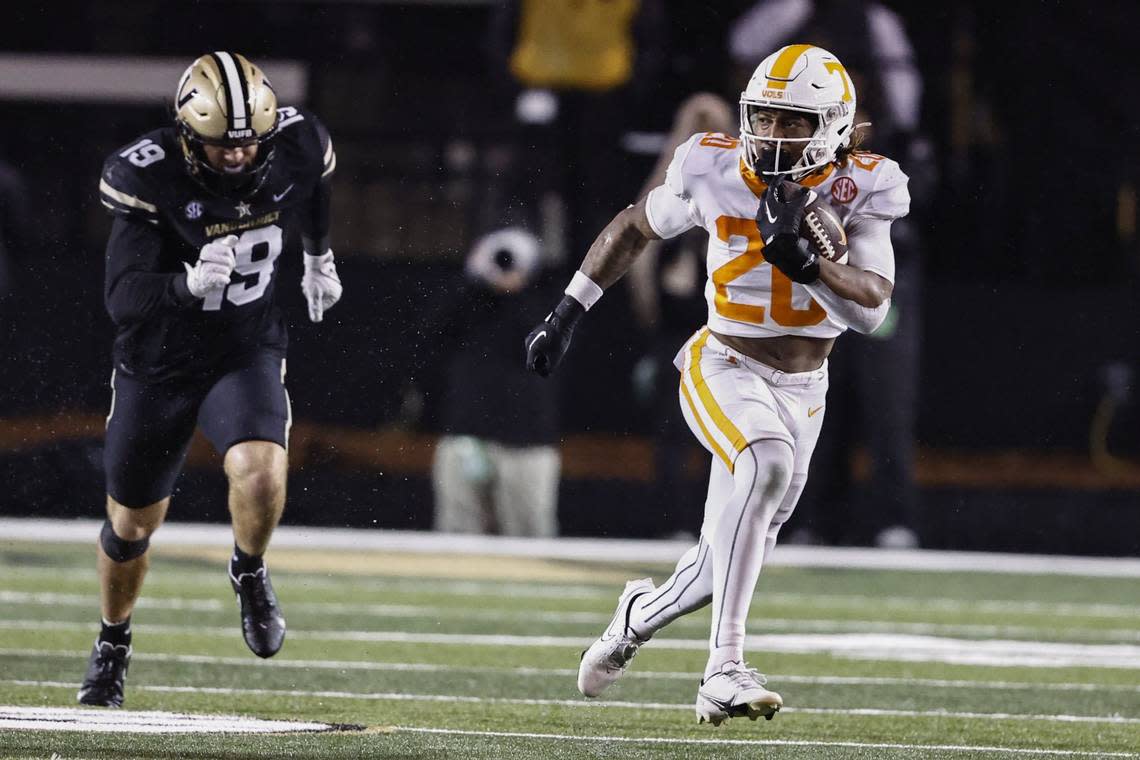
781,310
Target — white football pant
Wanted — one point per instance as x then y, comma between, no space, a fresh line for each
761,426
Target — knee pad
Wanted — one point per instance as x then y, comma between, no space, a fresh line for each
118,549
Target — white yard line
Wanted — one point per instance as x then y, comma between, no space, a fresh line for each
148,722
589,549
648,675
562,593
582,703
908,603
309,581
513,590
411,611
860,646
767,743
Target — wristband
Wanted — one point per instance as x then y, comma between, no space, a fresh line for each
314,262
583,290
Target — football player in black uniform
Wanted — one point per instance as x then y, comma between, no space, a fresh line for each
202,210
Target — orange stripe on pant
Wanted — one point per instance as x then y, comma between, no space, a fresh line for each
708,401
708,436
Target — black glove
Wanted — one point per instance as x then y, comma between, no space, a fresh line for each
793,257
779,219
782,210
546,344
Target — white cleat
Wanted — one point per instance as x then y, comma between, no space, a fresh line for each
609,656
735,691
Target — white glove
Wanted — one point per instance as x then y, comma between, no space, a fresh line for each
212,270
320,284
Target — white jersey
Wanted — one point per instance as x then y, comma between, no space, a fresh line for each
708,185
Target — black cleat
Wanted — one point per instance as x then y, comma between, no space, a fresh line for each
262,623
106,672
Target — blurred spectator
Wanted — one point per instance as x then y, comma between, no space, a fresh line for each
583,67
15,239
497,464
874,395
574,44
868,37
666,287
15,225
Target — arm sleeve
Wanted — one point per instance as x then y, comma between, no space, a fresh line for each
134,289
669,206
870,250
850,314
315,238
870,247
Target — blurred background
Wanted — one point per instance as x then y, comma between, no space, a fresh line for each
482,146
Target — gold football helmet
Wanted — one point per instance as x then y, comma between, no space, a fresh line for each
224,100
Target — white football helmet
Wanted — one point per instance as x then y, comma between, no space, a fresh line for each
802,78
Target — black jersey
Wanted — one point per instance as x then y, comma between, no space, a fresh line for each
163,217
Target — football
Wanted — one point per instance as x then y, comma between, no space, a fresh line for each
823,231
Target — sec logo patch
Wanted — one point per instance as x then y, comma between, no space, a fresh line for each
193,210
844,190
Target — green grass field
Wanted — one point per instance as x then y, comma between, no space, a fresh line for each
469,657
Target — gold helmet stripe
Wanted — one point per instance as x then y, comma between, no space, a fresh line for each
235,88
782,69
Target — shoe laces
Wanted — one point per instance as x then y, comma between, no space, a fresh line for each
745,676
109,658
257,590
624,652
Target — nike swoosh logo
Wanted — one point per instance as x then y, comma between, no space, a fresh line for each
724,704
768,213
284,192
540,335
812,412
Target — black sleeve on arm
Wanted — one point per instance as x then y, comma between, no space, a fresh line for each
133,289
315,237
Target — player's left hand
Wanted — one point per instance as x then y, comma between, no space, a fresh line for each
320,284
779,219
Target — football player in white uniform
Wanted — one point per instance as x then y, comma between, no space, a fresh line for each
754,379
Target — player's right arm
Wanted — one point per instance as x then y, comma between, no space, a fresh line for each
137,285
614,250
610,256
666,212
133,287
